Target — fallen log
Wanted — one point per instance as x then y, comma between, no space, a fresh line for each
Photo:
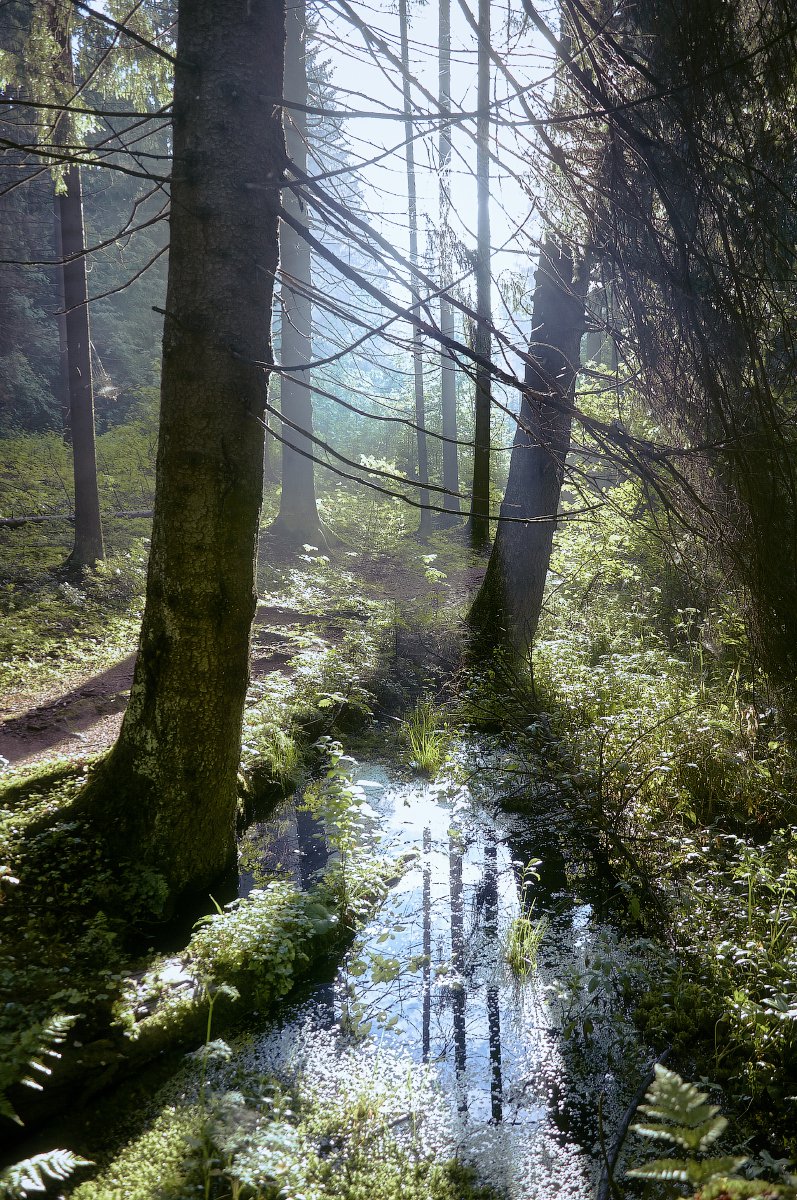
40,518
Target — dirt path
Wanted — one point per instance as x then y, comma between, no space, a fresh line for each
87,718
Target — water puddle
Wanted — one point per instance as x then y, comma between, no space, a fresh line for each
526,1069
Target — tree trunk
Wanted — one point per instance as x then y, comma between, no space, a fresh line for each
88,547
507,609
479,523
166,794
425,525
297,521
448,377
62,373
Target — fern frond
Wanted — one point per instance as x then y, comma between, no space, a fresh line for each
7,1110
672,1098
33,1174
691,1122
25,1052
689,1170
681,1135
672,1169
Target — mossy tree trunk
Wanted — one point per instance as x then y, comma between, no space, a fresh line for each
297,521
166,794
506,611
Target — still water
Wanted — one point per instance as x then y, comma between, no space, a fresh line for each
520,1076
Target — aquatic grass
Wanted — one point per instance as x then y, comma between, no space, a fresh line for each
522,944
426,734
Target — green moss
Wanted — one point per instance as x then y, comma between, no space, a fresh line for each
259,946
156,1164
396,1179
337,1130
38,789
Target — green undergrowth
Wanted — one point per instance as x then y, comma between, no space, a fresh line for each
679,1118
349,1122
356,651
53,627
244,958
646,715
52,623
66,916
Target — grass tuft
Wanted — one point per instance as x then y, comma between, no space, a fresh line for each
426,734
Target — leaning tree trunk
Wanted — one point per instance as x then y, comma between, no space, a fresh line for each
88,546
479,522
425,525
297,521
506,611
448,375
166,794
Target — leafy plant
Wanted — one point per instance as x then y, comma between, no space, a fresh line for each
339,801
35,1174
23,1062
680,1115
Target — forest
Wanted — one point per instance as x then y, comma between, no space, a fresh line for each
398,580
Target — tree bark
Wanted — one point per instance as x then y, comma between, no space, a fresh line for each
425,525
506,611
62,373
88,546
448,377
297,521
166,794
479,523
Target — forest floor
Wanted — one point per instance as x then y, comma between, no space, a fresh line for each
630,724
80,714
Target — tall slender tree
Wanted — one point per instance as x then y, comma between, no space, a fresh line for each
417,343
448,376
88,545
166,794
297,520
507,607
479,523
694,220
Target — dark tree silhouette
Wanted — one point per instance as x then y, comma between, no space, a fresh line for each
507,607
